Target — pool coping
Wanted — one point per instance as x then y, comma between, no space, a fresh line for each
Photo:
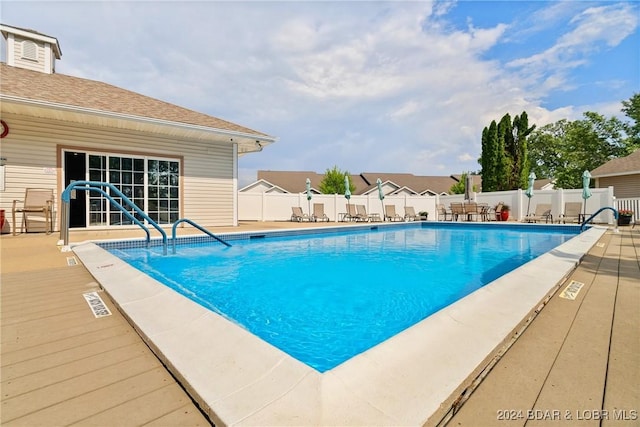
238,379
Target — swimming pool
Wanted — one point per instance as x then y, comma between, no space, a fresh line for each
239,379
326,298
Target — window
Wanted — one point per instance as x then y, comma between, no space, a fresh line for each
153,185
164,190
29,50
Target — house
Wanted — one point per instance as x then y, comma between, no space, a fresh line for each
622,173
365,183
171,161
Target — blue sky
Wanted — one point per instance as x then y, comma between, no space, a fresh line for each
367,86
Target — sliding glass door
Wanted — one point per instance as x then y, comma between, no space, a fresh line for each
152,184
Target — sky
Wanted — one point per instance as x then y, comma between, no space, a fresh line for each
393,87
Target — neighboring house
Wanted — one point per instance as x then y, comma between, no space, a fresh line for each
544,184
365,183
171,161
623,174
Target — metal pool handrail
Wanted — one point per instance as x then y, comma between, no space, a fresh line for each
95,186
204,230
615,216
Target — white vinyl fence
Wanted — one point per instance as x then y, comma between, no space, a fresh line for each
632,205
277,207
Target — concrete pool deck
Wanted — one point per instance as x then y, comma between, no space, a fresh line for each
347,395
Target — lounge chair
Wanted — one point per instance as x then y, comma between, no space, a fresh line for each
352,213
36,201
572,212
390,213
410,214
318,213
361,213
298,215
443,213
542,212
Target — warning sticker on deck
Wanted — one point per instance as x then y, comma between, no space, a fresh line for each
572,290
96,304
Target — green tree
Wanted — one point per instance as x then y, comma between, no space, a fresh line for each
505,159
489,159
545,148
563,150
520,152
458,187
631,108
333,182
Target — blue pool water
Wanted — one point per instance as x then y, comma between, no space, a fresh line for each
326,298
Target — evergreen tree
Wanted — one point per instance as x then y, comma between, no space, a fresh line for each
505,159
521,149
490,158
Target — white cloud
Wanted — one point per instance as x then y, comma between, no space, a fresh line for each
593,27
384,86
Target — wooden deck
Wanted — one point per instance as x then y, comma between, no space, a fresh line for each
62,366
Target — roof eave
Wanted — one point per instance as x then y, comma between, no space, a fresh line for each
247,142
607,175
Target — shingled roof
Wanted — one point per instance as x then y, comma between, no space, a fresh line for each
63,92
621,166
294,181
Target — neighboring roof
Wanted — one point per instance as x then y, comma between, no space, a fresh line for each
88,101
539,184
294,181
264,183
629,165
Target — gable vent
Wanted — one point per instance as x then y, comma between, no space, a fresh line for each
29,50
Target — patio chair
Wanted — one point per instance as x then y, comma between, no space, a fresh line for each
443,213
457,210
298,215
484,211
361,213
471,210
497,211
352,213
572,212
543,211
37,202
390,213
410,214
318,213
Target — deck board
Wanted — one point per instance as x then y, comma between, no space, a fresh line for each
60,365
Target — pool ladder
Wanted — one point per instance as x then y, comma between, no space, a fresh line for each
615,216
97,187
204,230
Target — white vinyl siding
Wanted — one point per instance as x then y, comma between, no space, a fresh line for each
33,159
21,58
